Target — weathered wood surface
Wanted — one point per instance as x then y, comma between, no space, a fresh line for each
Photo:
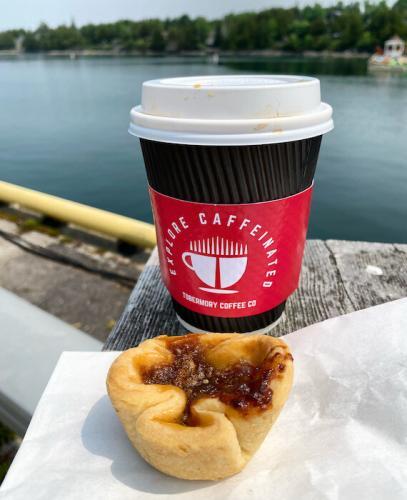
337,277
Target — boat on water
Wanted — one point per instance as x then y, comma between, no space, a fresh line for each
392,58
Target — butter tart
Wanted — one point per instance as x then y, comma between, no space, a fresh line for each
198,406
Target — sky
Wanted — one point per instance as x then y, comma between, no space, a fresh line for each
28,14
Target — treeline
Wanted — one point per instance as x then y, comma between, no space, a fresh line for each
337,28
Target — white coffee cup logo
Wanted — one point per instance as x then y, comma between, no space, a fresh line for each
219,263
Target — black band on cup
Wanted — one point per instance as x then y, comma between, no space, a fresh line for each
231,174
229,325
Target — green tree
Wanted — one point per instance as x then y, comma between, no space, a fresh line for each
313,27
158,42
65,37
293,43
188,34
7,40
380,22
31,43
350,27
218,34
366,42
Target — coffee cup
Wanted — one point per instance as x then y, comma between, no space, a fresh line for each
230,162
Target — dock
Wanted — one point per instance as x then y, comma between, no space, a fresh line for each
338,277
76,276
74,261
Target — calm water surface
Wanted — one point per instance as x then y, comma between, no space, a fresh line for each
63,130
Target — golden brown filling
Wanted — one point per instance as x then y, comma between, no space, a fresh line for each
242,385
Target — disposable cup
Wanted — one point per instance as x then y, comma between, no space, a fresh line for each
230,162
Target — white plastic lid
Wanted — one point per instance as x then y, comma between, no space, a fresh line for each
231,110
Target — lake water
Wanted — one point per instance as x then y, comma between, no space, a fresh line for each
63,130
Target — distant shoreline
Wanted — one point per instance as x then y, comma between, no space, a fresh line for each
225,53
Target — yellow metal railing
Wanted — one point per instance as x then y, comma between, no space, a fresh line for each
118,226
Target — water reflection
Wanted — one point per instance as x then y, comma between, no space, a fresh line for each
298,65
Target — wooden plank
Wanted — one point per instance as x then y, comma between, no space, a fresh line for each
321,295
148,312
372,273
337,277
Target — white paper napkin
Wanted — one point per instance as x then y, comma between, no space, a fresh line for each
342,434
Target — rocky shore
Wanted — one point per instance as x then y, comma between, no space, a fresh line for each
203,53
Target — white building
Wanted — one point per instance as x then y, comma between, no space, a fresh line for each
394,47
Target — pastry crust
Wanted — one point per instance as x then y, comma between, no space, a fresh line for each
223,438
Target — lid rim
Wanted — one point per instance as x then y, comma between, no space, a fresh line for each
249,139
137,112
